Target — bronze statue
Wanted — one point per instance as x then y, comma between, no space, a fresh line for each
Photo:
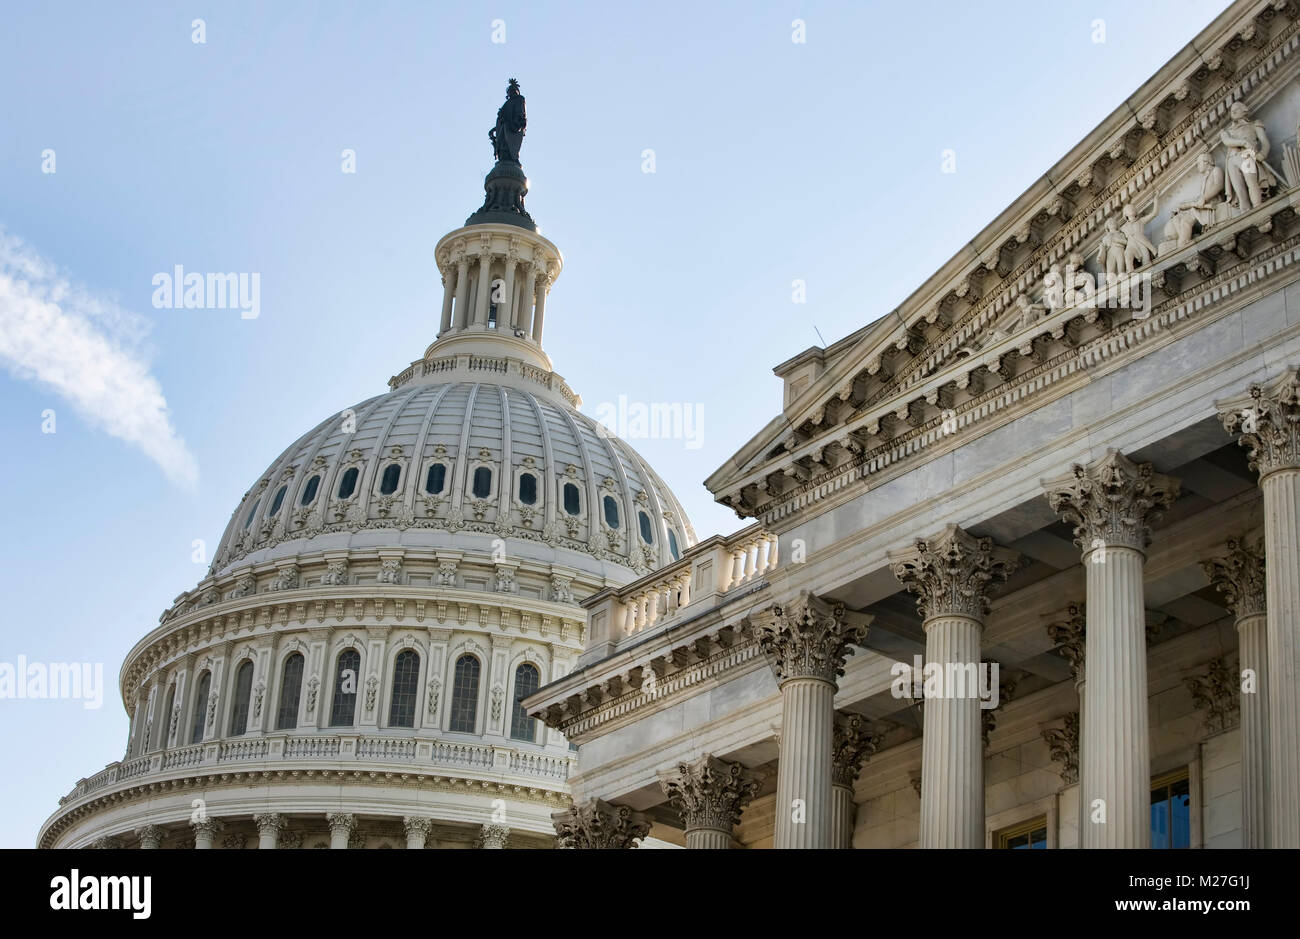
508,135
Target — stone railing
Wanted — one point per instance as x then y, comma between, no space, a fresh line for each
705,575
479,363
335,748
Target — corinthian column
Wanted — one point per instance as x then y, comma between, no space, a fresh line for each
1071,634
1268,420
484,288
150,836
806,642
417,830
710,794
851,743
206,831
950,574
1110,503
596,824
342,824
494,836
269,825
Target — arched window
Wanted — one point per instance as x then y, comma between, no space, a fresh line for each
406,674
348,484
647,533
528,489
392,476
278,500
309,493
239,704
166,722
200,707
572,500
436,479
290,688
611,512
482,482
672,545
464,695
346,676
523,727
251,512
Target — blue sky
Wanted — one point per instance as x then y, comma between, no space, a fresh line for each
774,161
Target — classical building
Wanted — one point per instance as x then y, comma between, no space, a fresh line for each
1024,562
349,672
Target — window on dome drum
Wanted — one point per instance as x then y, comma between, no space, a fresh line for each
278,500
464,696
436,479
290,688
166,716
647,533
251,512
392,476
406,675
1171,811
239,704
309,494
200,707
348,484
482,482
1027,835
528,489
344,706
523,727
572,500
611,512
672,545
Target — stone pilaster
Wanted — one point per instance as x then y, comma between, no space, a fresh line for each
494,836
417,831
951,574
206,831
598,825
150,837
269,825
1063,745
806,642
342,826
1111,503
710,794
852,743
1240,577
1071,634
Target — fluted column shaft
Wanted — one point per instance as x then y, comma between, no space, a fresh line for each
417,831
527,296
539,309
842,812
506,308
1116,743
269,826
1252,654
205,832
462,293
448,296
341,827
1282,586
803,779
952,753
708,839
484,290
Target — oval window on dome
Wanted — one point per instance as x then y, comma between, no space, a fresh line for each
572,500
436,479
348,484
482,483
672,545
309,493
278,500
392,476
611,512
647,533
528,489
251,512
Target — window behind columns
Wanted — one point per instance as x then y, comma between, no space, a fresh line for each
1030,835
343,709
406,673
1171,811
165,718
464,696
523,727
203,689
243,692
286,718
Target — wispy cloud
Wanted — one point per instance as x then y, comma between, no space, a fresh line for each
87,349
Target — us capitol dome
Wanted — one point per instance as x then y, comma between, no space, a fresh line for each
349,672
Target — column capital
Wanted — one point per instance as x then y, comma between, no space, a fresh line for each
494,836
150,836
808,637
417,825
270,823
1063,746
852,742
105,843
1267,420
341,822
1239,576
598,824
208,825
951,572
710,793
1216,690
1112,501
1071,634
